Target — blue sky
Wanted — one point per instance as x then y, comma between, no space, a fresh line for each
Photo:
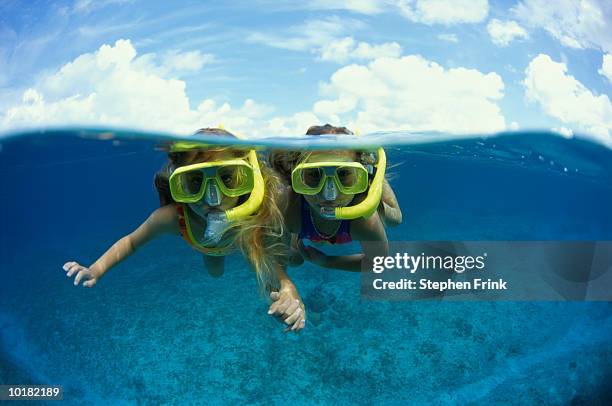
275,67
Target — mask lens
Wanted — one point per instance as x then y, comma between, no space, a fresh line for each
347,176
192,182
235,178
230,176
312,177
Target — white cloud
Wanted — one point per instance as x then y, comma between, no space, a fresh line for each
113,87
562,96
191,61
345,49
504,32
446,12
311,34
448,37
295,124
576,24
324,39
412,93
606,67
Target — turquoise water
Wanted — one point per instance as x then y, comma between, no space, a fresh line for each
159,329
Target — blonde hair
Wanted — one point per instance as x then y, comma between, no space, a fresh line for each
259,237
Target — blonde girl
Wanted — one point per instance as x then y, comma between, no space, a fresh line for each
219,200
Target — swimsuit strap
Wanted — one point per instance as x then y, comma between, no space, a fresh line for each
180,211
309,231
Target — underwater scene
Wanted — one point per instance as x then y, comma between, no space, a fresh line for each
159,329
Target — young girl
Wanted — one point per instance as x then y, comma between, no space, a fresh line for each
218,199
335,200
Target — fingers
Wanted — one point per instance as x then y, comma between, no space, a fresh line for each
282,308
72,267
274,296
294,315
67,265
90,283
291,310
295,319
298,319
293,306
297,326
82,274
274,307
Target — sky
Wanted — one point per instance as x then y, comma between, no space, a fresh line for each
265,68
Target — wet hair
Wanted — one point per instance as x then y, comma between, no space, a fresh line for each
327,129
259,236
284,161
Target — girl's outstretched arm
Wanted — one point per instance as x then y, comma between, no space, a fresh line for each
389,209
162,220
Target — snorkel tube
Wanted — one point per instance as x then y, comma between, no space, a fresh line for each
367,206
217,223
252,204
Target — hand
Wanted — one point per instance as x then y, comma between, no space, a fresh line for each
82,273
288,305
313,255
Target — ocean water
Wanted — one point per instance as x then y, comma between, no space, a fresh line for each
158,329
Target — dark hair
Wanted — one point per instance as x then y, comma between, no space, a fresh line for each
283,161
327,129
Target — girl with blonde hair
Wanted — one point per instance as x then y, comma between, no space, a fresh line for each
219,199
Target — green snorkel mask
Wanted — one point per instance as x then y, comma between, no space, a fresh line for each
347,177
207,180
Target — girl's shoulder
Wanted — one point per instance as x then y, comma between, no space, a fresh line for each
166,217
370,228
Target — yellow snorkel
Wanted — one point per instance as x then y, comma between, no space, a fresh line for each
253,203
367,206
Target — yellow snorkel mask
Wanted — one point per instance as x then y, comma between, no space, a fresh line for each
347,177
235,177
208,180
